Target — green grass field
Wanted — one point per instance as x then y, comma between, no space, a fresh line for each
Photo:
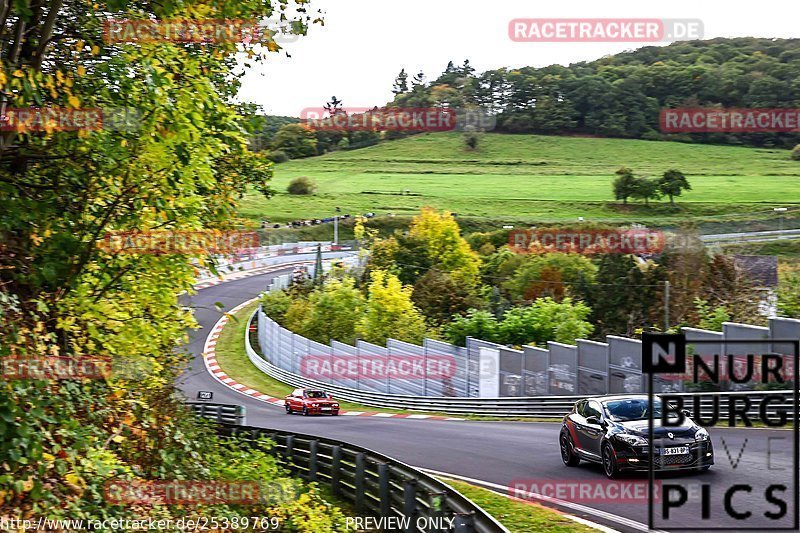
530,178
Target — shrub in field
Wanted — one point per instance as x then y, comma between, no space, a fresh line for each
278,156
302,185
796,153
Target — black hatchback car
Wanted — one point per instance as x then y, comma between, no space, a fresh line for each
613,431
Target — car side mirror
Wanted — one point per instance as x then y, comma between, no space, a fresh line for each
593,420
686,412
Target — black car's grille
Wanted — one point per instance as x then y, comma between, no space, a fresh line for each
673,459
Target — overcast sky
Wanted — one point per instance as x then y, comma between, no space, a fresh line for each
365,43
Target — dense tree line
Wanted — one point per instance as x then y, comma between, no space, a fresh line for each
621,95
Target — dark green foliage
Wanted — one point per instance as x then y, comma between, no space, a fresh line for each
622,95
301,185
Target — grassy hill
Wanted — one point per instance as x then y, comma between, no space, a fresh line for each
531,178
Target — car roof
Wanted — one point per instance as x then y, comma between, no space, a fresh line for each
616,397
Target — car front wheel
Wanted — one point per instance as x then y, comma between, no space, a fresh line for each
305,411
610,461
288,409
568,454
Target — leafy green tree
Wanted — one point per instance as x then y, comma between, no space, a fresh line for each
548,274
297,140
400,83
673,183
297,315
624,184
546,320
335,312
275,305
476,324
171,155
441,298
625,296
334,107
646,189
390,312
446,248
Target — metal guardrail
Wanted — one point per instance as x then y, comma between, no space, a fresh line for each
219,412
378,485
751,236
554,407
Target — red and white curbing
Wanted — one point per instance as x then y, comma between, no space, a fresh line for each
210,358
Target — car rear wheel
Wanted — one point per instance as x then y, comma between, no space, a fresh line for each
610,461
568,454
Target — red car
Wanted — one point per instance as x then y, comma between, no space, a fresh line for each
311,402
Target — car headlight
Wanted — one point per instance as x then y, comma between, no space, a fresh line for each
632,440
702,435
336,405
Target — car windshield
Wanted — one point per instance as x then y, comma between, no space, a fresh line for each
631,409
315,394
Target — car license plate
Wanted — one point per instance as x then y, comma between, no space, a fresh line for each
326,408
680,450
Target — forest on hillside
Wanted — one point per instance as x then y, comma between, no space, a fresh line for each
621,95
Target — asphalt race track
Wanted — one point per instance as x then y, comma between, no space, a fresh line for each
507,453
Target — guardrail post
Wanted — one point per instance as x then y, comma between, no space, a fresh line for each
289,453
464,522
410,503
312,460
336,465
361,461
384,489
436,501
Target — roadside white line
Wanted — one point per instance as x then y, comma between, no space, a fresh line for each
500,489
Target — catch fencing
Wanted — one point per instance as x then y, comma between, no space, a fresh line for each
545,407
488,370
